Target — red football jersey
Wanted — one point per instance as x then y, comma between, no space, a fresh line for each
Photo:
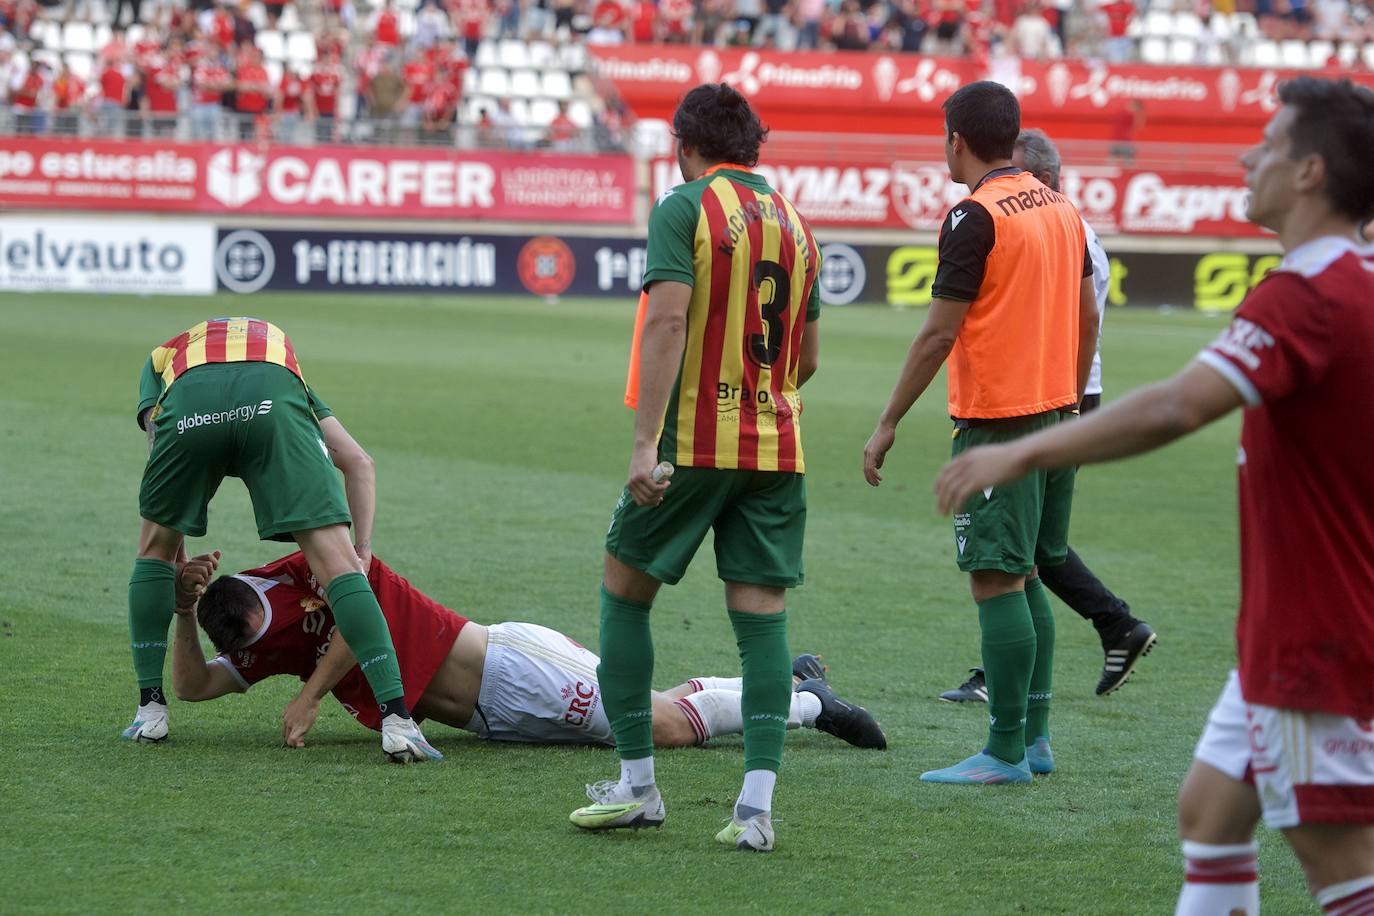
1300,349
299,626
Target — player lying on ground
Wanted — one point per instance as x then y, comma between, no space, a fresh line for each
505,682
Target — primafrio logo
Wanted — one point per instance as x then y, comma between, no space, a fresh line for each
234,176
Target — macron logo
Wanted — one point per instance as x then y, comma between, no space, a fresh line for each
956,218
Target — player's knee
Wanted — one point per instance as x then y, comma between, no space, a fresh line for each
671,728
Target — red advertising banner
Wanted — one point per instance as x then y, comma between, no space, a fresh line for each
902,93
314,181
917,195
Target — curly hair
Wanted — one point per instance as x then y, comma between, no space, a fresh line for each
715,120
1335,120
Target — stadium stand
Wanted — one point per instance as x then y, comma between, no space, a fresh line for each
498,72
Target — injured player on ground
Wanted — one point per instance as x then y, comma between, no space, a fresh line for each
505,681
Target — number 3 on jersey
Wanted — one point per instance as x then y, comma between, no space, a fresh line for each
771,281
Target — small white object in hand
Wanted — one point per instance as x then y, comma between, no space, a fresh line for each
662,472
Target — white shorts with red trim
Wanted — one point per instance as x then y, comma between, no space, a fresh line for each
540,687
1307,767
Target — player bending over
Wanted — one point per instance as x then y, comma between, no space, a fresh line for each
505,682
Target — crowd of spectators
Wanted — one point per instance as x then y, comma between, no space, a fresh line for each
196,68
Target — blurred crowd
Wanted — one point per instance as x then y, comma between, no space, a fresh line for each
197,68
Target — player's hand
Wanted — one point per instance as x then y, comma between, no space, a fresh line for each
979,468
876,451
192,578
645,490
298,718
364,552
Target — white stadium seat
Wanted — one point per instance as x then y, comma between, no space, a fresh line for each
289,21
494,82
300,48
557,84
469,82
133,34
1264,53
78,36
1348,54
1183,52
520,111
524,83
1187,25
1158,22
542,112
1368,55
274,71
575,57
1154,50
1222,25
1247,25
512,54
272,45
580,113
1319,51
103,34
1293,53
81,64
486,54
46,34
541,54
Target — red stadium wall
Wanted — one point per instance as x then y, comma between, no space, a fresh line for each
848,92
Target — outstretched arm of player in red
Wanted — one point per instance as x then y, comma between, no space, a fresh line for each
1140,422
300,714
925,357
193,679
360,482
660,356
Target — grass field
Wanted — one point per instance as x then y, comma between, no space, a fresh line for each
501,446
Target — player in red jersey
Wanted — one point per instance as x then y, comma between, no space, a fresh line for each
1291,738
505,682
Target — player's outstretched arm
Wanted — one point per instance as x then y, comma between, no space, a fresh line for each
1140,422
193,679
924,358
360,482
300,714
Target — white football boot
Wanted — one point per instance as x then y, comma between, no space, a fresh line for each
402,742
150,724
755,834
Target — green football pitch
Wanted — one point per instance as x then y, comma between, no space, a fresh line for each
501,444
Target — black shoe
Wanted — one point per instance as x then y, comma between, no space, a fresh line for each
806,667
973,690
848,723
1122,655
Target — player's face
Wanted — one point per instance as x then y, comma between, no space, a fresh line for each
1270,172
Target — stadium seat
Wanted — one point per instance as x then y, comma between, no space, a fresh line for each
78,36
1319,51
486,54
542,54
1367,54
81,64
580,113
575,57
272,45
1214,55
524,83
1293,53
1183,51
512,54
1348,54
103,33
542,112
1187,25
133,34
1246,25
300,48
45,34
1222,25
290,20
274,70
494,82
557,84
1160,23
469,81
1262,53
1154,50
406,22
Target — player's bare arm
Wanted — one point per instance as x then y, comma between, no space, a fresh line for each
299,715
360,482
1140,422
661,345
1089,322
923,360
810,352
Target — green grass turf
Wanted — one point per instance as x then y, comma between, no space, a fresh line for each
501,445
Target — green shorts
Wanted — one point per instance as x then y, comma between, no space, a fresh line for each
759,518
247,420
1018,525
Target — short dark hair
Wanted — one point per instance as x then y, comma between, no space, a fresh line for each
223,612
1336,121
987,116
717,122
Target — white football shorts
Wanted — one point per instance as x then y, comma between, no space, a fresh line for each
1307,767
539,686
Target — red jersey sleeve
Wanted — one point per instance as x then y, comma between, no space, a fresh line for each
1278,342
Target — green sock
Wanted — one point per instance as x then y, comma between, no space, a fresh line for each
767,669
364,628
1008,657
152,596
626,674
1042,676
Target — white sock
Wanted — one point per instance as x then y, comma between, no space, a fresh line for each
1349,898
806,706
1219,880
637,774
699,684
758,790
718,712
